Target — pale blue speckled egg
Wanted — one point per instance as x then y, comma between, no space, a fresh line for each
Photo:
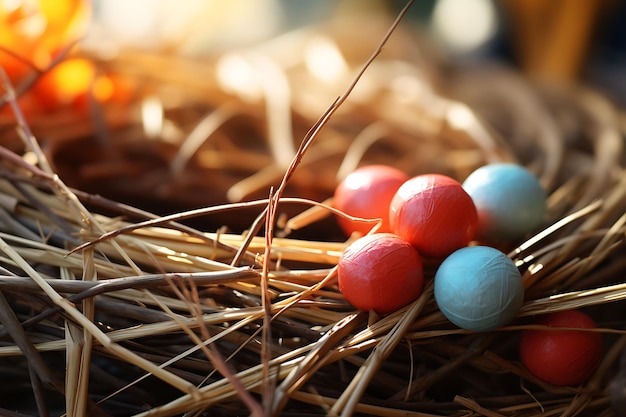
478,288
509,199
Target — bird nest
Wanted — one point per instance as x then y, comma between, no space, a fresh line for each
175,254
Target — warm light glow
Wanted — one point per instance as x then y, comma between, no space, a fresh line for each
65,83
36,30
235,75
324,60
409,88
190,26
73,77
133,21
460,116
464,25
65,19
9,6
103,89
24,18
152,116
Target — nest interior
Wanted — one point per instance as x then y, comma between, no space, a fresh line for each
134,281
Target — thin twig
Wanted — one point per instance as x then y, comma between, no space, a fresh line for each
204,211
266,336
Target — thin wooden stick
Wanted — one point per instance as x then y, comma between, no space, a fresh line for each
208,210
269,383
87,289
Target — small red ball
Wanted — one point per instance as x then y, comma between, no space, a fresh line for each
367,192
434,214
380,272
562,357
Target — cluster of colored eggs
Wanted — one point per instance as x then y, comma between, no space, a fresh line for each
478,287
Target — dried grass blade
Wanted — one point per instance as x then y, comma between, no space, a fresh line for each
243,322
89,220
614,200
25,346
368,409
86,289
23,129
166,219
37,368
351,396
269,383
38,392
91,328
312,361
79,348
199,135
591,207
474,406
574,300
218,362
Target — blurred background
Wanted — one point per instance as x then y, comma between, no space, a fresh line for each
559,39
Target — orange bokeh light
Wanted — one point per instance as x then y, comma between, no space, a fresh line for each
32,32
64,83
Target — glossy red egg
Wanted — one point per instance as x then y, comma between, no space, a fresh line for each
367,193
562,357
380,272
434,214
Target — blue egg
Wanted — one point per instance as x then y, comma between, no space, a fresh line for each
509,200
478,288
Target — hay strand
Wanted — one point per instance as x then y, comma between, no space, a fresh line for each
228,304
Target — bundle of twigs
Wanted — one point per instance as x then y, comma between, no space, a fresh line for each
107,309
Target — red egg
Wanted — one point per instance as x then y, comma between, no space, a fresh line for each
562,357
380,272
366,193
434,214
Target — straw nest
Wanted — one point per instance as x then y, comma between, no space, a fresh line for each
108,308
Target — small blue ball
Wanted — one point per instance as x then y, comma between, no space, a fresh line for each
478,288
509,199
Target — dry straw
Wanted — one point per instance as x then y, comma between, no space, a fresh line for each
107,309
